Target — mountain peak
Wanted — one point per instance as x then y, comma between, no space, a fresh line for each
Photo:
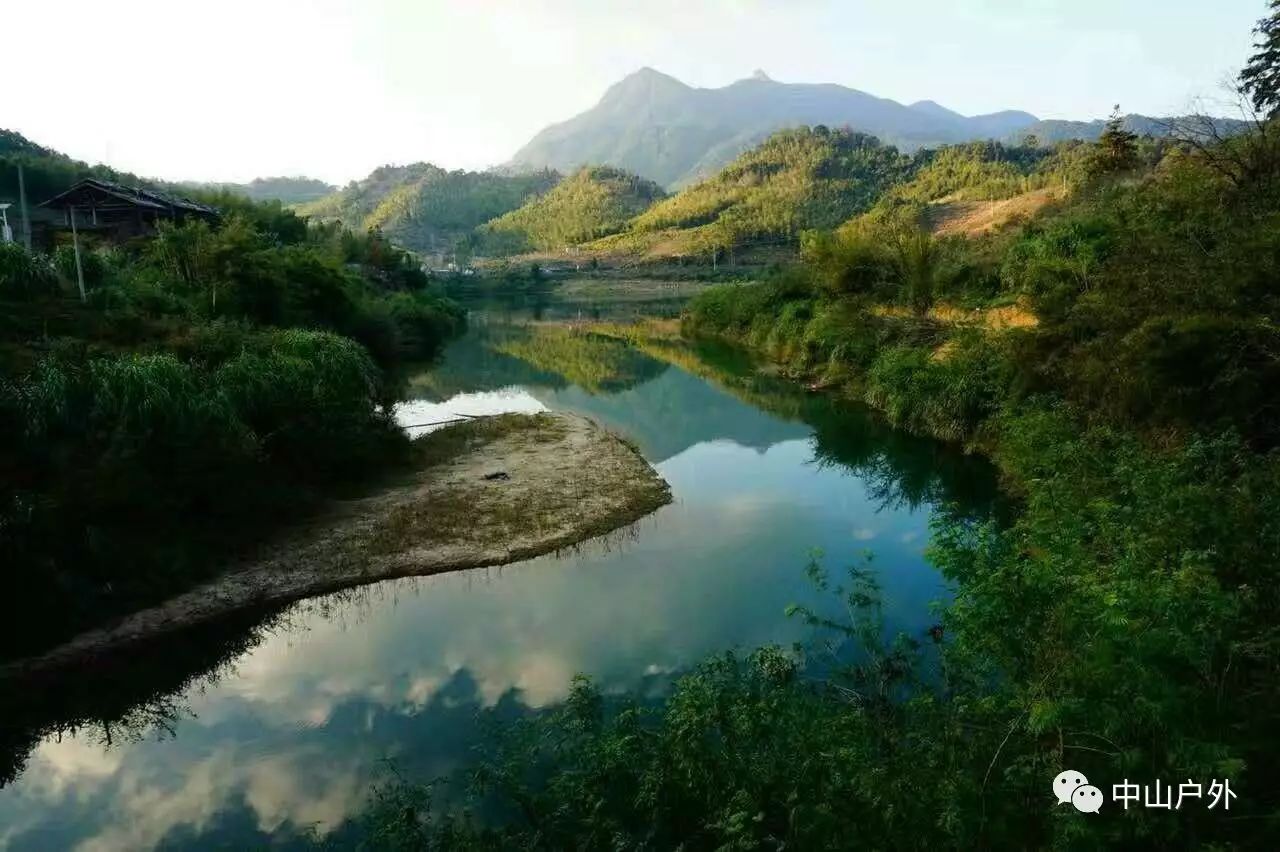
935,109
648,74
645,83
654,125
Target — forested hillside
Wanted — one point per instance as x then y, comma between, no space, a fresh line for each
426,208
1116,354
793,181
591,203
286,190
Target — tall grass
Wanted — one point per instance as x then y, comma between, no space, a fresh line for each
129,476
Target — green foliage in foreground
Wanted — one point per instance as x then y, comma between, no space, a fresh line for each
1123,626
125,474
216,382
1097,633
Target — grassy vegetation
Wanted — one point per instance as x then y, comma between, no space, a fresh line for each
207,357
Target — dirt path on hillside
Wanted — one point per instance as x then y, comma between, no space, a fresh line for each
974,218
487,492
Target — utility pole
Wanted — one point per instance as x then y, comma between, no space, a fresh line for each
22,205
75,243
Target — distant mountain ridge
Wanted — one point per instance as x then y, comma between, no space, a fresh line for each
656,126
1058,130
286,190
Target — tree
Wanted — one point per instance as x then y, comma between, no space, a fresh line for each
919,261
1117,149
1260,79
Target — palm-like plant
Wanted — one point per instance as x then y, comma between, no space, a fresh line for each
918,260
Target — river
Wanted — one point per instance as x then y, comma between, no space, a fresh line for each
270,728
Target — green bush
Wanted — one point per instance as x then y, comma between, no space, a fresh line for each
127,473
310,399
25,276
947,397
94,265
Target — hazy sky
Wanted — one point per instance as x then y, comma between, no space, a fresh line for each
234,89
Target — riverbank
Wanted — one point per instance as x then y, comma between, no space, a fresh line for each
486,492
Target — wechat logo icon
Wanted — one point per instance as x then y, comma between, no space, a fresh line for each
1071,786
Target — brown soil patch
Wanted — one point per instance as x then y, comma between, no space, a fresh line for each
974,218
992,319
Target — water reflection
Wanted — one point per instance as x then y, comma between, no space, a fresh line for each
270,728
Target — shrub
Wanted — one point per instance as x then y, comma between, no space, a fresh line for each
947,396
847,261
93,264
126,475
311,400
25,276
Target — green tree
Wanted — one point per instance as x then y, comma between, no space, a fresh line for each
919,260
1260,79
1117,149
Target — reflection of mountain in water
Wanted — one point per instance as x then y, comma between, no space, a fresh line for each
664,409
597,363
901,469
667,415
474,362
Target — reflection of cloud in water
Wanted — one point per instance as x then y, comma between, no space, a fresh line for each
67,762
412,412
294,734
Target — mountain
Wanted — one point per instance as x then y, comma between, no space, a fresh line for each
795,180
286,190
426,208
656,126
1053,130
593,202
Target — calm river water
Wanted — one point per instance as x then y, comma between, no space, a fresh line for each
272,727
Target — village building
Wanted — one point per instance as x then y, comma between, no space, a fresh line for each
117,212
